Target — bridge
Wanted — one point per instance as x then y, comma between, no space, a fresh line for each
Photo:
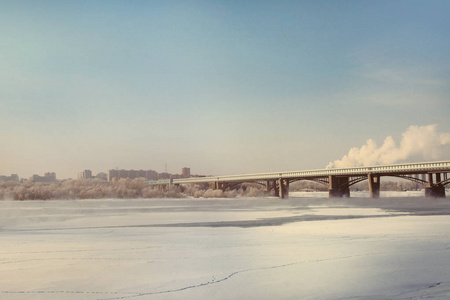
432,175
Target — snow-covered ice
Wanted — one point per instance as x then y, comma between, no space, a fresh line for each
242,248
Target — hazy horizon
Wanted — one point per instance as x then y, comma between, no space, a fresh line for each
221,87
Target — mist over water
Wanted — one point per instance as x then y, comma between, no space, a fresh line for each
210,212
418,143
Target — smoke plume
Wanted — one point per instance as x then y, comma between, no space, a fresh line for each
418,143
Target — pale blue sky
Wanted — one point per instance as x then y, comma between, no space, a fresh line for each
222,87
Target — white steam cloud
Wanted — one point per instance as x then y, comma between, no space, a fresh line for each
418,143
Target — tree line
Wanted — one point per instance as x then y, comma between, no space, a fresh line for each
138,188
122,188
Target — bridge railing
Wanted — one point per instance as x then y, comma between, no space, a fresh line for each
423,167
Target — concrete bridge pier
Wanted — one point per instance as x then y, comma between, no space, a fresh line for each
276,188
219,186
434,190
283,186
374,185
272,185
338,187
170,185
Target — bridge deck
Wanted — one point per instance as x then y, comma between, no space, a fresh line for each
396,169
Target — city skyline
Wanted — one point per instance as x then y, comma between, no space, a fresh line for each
112,173
226,88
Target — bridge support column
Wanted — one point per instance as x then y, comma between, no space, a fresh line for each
434,190
374,185
169,186
338,187
276,188
268,187
219,186
283,185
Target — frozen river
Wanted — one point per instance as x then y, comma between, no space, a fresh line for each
306,247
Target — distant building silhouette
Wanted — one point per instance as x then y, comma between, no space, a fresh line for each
102,176
186,172
163,175
86,174
13,177
117,174
149,174
48,177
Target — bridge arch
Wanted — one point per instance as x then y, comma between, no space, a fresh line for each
355,180
235,183
316,180
445,182
405,177
409,178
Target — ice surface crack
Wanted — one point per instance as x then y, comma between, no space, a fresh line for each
215,280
